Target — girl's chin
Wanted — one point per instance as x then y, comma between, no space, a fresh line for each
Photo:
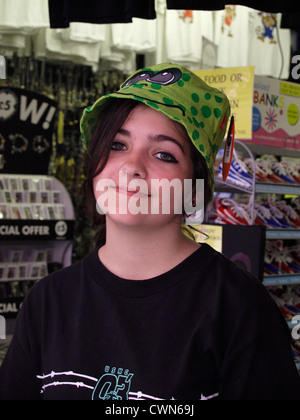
142,220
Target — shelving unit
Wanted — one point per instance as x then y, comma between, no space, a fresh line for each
36,230
282,280
269,189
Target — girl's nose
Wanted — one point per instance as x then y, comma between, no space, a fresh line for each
134,167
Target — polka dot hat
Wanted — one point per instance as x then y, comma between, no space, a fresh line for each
180,95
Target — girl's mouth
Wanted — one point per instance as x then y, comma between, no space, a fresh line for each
130,193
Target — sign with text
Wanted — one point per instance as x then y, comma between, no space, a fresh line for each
9,308
276,113
26,127
37,229
237,84
211,235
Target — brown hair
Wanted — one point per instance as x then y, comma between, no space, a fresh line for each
113,116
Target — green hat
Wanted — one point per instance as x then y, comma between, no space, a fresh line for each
180,95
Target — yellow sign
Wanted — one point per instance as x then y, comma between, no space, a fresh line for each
237,83
290,89
292,114
209,234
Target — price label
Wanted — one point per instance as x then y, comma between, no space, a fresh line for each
8,104
61,228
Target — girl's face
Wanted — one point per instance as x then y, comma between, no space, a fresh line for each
148,152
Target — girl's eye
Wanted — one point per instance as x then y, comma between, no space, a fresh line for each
117,145
166,157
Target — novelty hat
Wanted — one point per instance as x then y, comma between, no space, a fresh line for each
180,95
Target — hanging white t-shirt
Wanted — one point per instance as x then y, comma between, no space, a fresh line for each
16,43
84,32
106,50
49,44
138,36
269,46
184,31
127,65
19,16
232,36
159,55
161,50
112,58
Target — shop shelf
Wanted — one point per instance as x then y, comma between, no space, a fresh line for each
283,234
281,279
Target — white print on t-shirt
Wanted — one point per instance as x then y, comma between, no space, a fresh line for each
114,384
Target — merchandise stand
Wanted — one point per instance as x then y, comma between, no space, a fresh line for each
282,285
224,186
36,230
268,189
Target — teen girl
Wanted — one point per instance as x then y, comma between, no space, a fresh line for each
150,314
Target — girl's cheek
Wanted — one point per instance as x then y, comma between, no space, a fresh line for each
96,188
95,180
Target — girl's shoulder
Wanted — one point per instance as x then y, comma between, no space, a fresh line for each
66,278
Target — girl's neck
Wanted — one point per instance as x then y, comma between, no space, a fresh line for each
140,254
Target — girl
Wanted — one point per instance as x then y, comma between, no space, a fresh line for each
150,314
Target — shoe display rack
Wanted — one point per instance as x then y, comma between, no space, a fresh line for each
263,188
282,221
36,230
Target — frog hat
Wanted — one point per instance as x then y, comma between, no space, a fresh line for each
180,95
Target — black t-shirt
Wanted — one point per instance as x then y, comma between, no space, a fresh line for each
205,329
274,6
62,12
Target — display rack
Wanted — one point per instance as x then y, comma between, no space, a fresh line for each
36,230
250,151
266,188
